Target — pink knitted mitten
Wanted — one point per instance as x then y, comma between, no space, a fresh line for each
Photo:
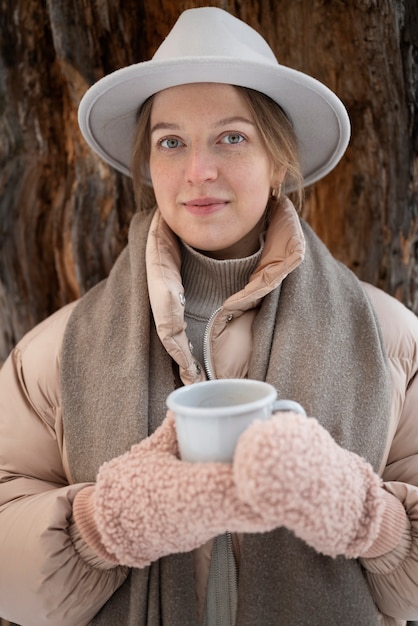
291,471
147,503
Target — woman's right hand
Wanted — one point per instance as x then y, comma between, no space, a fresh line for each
148,503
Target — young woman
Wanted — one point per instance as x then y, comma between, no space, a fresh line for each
316,519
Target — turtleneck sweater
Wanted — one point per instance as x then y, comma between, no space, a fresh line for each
207,284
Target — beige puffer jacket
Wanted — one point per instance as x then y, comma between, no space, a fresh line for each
51,578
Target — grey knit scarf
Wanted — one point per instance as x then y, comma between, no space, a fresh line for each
318,343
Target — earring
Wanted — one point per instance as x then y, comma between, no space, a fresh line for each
276,192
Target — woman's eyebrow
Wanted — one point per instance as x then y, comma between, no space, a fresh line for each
164,126
231,120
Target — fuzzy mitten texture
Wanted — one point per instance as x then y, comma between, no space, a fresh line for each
291,471
147,503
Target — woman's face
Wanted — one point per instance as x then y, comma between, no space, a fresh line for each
209,168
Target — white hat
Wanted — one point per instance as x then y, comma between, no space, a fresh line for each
210,45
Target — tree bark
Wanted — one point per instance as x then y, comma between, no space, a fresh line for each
64,214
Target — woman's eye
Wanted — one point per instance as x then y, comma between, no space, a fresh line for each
170,142
232,138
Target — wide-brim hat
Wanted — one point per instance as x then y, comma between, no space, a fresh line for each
210,45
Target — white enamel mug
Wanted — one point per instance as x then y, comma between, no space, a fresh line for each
210,416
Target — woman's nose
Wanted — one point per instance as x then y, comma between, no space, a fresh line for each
200,165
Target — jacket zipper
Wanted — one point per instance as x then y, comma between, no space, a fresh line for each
232,572
225,584
206,352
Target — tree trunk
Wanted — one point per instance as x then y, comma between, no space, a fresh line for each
64,214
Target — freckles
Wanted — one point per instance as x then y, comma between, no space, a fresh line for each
164,170
160,176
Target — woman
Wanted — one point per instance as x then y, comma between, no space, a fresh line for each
220,279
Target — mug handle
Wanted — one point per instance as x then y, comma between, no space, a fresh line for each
288,405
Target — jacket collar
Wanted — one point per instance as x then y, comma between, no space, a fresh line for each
283,251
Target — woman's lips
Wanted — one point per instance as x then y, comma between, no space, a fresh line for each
205,206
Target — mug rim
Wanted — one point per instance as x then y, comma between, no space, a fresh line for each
182,410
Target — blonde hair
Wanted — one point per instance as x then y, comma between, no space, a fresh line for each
272,123
143,191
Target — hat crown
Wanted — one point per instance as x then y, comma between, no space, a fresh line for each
211,32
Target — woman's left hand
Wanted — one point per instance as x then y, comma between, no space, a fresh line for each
291,471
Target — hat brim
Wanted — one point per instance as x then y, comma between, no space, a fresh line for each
107,112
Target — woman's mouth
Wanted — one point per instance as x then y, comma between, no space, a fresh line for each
205,206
